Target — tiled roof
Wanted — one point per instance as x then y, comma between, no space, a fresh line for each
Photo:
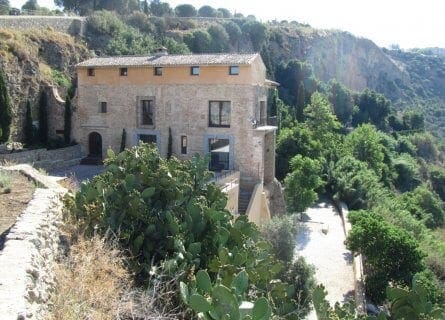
172,60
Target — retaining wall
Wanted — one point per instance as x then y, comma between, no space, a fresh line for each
28,258
74,26
46,159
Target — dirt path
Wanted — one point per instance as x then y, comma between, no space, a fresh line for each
321,242
14,200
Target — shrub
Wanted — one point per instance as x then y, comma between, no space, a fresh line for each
391,254
280,232
408,176
220,38
257,33
5,180
302,182
60,79
302,277
234,32
425,206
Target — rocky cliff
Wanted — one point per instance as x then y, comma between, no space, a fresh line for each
34,60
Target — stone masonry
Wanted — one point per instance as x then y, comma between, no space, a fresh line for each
74,26
28,257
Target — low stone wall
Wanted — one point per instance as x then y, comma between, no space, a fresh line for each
359,292
74,26
258,211
28,258
46,159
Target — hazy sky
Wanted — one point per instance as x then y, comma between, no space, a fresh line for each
409,23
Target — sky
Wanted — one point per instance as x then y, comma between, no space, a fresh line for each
409,23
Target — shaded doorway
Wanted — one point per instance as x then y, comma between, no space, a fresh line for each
95,145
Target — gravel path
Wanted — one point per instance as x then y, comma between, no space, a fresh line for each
321,242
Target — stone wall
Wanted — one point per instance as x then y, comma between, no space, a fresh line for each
28,258
183,108
43,158
74,26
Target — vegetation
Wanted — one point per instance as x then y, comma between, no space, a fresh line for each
43,118
67,120
173,221
5,109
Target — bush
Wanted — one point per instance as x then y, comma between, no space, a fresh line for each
302,182
425,206
391,254
280,232
220,38
198,41
257,33
234,32
408,176
435,289
302,277
61,79
425,145
437,177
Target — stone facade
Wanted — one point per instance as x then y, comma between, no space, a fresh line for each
181,102
74,26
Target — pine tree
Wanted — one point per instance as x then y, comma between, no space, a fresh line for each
5,109
67,123
170,143
300,103
145,7
43,118
28,130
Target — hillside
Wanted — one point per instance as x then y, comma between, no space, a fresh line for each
35,60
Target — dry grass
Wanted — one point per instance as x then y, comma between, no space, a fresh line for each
94,284
15,192
90,282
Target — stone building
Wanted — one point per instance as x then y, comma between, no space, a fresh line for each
209,103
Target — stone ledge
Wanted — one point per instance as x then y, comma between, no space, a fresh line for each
28,257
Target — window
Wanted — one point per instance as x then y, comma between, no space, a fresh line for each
91,72
183,144
219,154
234,70
158,71
103,107
194,71
123,72
219,114
147,112
148,138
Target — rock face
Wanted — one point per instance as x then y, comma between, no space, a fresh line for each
358,63
34,60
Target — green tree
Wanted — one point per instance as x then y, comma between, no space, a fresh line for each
257,33
292,141
364,144
5,109
67,120
224,13
29,129
160,9
437,178
185,10
198,41
234,32
4,7
300,102
425,205
322,123
391,254
30,6
302,182
341,100
81,7
207,11
43,118
425,145
354,183
408,175
372,107
219,38
145,7
413,120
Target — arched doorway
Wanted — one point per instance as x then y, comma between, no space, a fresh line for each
95,145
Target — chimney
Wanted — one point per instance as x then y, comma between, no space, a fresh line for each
161,51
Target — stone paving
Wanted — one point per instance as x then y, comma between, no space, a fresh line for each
78,173
321,242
